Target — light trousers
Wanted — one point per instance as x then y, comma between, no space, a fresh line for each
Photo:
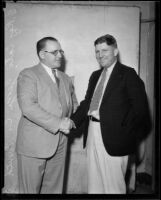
106,174
38,175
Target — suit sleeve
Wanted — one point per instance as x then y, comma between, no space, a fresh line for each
27,96
81,113
139,102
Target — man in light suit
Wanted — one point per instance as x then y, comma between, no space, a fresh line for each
116,112
46,101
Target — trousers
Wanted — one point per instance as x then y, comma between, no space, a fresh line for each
43,176
106,173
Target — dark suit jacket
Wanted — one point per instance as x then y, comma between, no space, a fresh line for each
124,112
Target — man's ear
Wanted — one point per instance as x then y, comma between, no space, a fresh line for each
41,54
116,51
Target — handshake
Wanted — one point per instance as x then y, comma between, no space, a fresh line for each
65,125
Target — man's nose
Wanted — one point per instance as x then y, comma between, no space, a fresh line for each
59,54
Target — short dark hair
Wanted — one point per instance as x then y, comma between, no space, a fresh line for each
108,39
41,43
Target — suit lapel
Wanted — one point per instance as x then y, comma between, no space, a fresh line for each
46,77
113,81
46,80
64,86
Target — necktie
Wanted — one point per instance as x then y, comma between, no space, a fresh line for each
98,92
61,95
55,76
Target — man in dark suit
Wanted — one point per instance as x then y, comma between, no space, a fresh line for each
46,99
116,111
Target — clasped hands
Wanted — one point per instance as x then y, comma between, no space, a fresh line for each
65,125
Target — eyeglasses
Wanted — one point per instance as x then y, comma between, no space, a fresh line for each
55,53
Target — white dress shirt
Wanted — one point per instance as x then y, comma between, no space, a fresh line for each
49,71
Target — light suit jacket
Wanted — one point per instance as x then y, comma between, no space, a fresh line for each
42,108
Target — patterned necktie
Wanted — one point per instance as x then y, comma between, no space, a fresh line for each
55,76
98,92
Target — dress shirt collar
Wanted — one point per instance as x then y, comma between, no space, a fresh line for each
48,69
111,68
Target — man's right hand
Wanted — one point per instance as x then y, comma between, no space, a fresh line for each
65,125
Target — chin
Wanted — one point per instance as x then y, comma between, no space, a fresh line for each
103,65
